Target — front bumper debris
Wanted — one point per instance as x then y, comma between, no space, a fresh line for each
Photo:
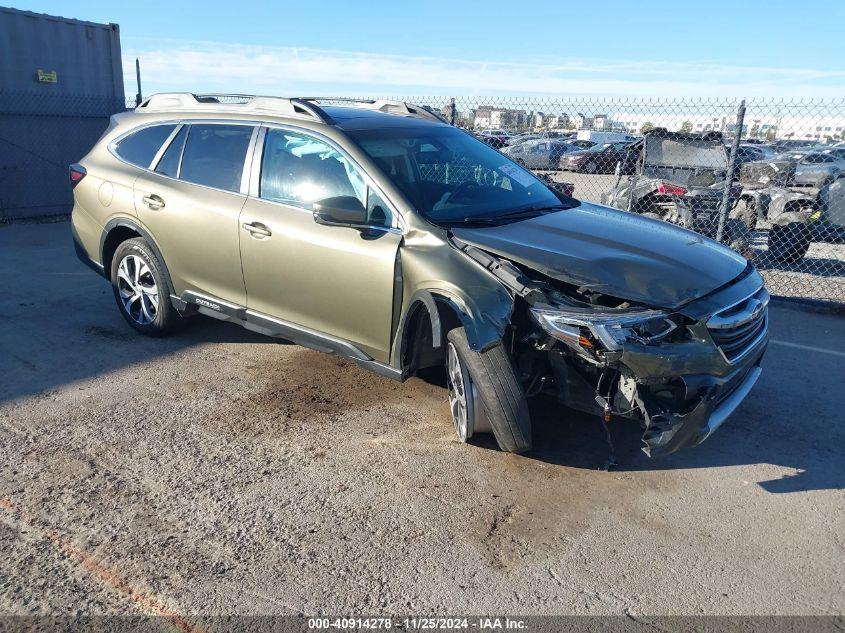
667,432
680,391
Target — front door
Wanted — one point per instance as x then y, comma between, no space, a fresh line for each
336,280
191,205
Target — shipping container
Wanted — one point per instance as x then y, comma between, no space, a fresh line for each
60,81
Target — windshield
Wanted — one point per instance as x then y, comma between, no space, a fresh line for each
668,152
450,177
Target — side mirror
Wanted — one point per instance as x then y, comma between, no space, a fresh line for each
341,211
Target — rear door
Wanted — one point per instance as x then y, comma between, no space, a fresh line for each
191,202
336,280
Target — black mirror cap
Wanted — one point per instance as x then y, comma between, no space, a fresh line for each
340,211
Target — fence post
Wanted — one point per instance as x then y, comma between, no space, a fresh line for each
726,194
452,112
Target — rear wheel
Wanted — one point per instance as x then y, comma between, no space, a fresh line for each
789,243
484,393
591,167
141,289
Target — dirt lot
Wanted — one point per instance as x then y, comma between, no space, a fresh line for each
220,472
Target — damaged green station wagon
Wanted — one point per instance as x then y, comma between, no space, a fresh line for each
377,231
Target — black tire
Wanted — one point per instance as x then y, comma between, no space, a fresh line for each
165,318
499,392
789,243
745,210
591,167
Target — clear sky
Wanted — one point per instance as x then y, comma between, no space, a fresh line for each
402,48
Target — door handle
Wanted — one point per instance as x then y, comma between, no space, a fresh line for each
153,201
256,229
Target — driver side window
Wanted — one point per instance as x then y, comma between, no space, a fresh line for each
299,170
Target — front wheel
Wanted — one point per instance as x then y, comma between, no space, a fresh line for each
484,392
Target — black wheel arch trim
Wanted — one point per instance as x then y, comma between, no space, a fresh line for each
138,228
481,334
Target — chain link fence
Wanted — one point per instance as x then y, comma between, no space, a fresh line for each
765,177
40,135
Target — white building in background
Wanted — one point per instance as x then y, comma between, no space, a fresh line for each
820,129
490,118
537,120
721,119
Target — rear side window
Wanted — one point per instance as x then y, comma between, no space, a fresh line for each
169,162
140,148
214,155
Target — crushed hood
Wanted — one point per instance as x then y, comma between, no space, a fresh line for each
614,252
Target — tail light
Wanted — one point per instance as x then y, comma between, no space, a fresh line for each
568,188
736,191
77,173
668,189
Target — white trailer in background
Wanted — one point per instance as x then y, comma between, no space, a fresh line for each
598,137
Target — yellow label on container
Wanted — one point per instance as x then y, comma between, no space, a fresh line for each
47,77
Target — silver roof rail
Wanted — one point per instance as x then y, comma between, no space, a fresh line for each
304,107
244,104
386,105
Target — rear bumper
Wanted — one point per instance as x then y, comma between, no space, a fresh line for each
83,255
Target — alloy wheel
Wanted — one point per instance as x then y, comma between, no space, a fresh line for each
137,289
461,394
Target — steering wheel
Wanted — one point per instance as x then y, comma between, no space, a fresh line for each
463,189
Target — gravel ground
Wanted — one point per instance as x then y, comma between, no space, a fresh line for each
218,472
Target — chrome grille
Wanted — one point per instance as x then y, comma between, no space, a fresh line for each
738,328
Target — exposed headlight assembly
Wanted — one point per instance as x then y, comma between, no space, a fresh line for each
609,329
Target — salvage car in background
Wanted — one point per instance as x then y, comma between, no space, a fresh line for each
814,168
750,152
533,136
540,154
810,168
680,178
599,159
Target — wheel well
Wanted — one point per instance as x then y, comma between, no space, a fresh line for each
115,238
796,206
419,351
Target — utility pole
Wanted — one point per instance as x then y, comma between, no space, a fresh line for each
138,79
726,194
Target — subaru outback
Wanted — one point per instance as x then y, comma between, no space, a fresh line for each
377,231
